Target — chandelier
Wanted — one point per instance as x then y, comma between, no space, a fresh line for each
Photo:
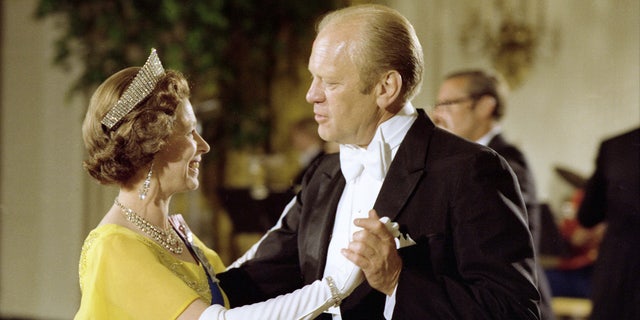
511,33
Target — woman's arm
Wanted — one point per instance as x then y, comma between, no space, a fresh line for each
194,310
305,303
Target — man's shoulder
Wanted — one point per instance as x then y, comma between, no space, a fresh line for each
328,161
424,134
328,164
625,139
449,143
507,150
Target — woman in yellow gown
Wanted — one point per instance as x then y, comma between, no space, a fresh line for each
140,262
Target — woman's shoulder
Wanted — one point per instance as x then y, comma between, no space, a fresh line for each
107,245
111,232
114,238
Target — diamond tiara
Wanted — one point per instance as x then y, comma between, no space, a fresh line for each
141,86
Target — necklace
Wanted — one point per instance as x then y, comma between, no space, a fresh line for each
166,238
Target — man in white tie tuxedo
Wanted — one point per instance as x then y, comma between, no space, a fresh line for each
463,249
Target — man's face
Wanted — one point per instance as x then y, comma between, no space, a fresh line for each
344,114
455,109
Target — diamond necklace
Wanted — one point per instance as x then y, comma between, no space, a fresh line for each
166,238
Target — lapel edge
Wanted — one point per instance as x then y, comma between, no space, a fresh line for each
407,168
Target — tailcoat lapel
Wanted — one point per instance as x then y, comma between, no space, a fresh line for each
407,168
320,200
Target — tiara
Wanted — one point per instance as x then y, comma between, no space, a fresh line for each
141,86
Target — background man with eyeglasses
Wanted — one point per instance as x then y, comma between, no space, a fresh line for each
470,104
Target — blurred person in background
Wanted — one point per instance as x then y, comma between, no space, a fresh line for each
612,195
570,250
471,104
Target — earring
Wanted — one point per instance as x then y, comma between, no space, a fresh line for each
145,186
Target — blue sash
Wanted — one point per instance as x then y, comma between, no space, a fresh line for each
178,223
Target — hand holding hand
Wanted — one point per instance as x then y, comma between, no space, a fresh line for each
373,249
348,281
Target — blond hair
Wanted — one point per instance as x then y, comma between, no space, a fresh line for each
385,40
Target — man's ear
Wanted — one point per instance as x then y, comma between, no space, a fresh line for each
388,91
485,106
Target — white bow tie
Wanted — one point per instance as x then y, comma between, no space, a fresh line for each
374,160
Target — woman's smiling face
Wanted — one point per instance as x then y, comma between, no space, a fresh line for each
179,162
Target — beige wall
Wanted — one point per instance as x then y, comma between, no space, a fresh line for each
586,91
41,200
574,96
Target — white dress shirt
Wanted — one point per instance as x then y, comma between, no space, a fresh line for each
484,140
361,191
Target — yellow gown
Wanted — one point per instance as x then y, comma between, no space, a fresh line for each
124,275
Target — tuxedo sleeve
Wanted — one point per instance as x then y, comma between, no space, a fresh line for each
272,271
482,265
518,164
593,207
276,266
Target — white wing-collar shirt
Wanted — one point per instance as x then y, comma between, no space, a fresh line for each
364,171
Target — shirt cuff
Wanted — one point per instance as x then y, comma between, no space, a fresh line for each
390,304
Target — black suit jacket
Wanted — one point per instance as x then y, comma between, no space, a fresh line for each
520,167
296,184
516,160
474,257
612,195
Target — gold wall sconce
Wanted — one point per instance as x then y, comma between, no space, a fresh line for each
513,34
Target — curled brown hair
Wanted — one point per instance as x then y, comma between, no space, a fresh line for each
115,155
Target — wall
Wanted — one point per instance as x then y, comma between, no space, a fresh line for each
41,200
581,92
586,91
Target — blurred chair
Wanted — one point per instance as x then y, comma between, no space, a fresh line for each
567,308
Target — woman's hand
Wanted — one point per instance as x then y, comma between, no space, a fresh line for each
373,249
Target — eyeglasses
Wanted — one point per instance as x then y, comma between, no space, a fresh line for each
446,103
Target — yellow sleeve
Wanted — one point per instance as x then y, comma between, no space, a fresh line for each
124,277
